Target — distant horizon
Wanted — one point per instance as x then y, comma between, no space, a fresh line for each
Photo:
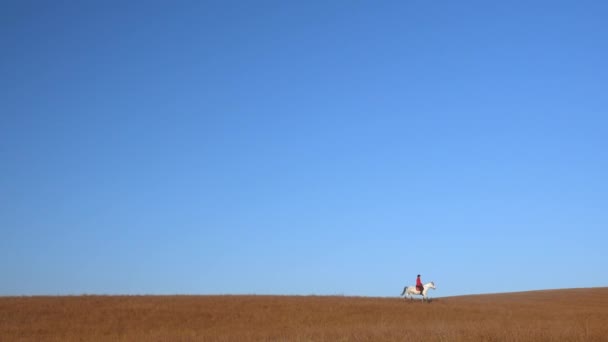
291,294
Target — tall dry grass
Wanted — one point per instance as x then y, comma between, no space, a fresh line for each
560,315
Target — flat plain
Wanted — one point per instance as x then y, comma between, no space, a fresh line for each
550,315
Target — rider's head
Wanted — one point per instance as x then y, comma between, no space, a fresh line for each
419,276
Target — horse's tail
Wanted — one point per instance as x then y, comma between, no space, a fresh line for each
404,289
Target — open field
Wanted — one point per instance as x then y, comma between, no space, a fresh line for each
552,315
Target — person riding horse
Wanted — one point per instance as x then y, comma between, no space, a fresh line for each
419,286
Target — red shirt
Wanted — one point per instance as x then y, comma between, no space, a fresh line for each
418,282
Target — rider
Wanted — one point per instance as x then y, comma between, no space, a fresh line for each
419,286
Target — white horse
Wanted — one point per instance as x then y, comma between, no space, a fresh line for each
411,290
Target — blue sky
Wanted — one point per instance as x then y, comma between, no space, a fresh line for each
202,147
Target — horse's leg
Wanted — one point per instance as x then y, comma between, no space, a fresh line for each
425,297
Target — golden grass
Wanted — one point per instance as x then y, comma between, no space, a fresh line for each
558,315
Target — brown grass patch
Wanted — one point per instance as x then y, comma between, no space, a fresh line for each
559,315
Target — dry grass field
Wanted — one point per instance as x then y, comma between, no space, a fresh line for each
553,315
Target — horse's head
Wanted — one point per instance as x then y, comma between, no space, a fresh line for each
432,285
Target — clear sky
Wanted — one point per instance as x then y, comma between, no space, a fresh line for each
282,147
